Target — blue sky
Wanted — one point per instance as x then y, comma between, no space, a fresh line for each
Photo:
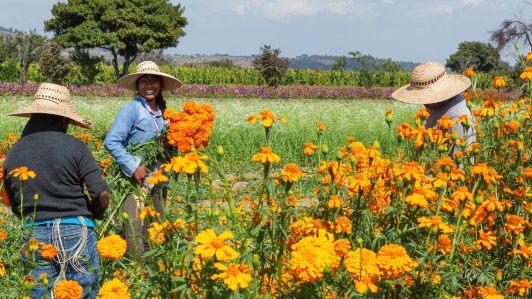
408,30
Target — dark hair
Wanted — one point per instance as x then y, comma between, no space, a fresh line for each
159,100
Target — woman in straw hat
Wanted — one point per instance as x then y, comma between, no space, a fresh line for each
136,123
440,92
59,166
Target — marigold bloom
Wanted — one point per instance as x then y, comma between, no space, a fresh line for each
320,126
444,245
266,155
267,118
486,240
435,222
69,289
29,280
191,128
516,224
148,212
291,172
215,245
373,152
498,82
48,251
335,202
176,165
342,247
23,172
524,251
519,192
114,289
419,196
156,233
527,74
112,247
309,149
193,161
513,125
232,276
2,269
489,292
310,256
469,72
422,114
445,123
393,261
362,265
422,135
529,56
462,194
489,108
343,224
157,178
519,286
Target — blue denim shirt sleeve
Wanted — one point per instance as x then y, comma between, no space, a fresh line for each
117,139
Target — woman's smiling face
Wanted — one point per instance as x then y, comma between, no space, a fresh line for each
149,86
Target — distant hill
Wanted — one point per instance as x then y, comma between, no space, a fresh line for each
325,62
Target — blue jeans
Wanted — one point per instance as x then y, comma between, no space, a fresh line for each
70,234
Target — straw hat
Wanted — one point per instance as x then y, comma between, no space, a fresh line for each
149,68
430,83
53,99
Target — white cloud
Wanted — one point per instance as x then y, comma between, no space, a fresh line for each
388,1
441,10
474,3
280,9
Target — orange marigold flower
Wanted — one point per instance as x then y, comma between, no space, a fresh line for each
524,251
528,173
362,265
489,292
419,196
215,245
343,224
191,128
23,172
29,280
360,182
266,155
519,192
267,118
373,152
469,72
148,212
513,125
321,127
3,235
435,222
520,287
48,251
342,247
516,224
444,245
291,172
350,139
114,289
310,256
498,82
486,240
529,56
527,74
334,202
310,149
445,123
422,135
489,108
156,233
157,178
462,194
422,114
112,247
233,276
458,154
176,165
69,289
393,261
193,161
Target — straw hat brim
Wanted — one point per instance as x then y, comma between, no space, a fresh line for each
38,107
130,81
446,88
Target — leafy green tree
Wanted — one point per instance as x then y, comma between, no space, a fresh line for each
271,66
87,63
9,70
389,66
340,64
367,66
481,56
29,48
8,48
124,27
225,64
53,65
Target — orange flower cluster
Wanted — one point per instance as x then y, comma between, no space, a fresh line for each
190,128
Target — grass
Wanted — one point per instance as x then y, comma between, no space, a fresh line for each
363,119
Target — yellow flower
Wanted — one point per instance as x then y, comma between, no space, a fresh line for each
486,240
23,172
2,269
176,165
335,202
68,289
310,149
266,155
342,247
215,245
291,172
435,222
48,251
112,247
321,127
462,194
498,82
469,72
527,74
445,123
267,118
156,233
232,276
393,261
193,161
157,178
362,265
343,224
310,256
114,289
148,211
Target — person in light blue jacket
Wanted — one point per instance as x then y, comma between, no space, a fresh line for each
136,123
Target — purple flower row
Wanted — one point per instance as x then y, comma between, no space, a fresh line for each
195,91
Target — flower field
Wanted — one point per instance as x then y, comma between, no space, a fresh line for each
318,208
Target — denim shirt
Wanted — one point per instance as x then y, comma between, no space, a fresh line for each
134,124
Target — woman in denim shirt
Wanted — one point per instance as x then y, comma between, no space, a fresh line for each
136,123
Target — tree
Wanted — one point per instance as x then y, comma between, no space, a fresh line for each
513,31
124,27
156,56
53,65
389,66
270,64
87,63
483,57
8,48
368,65
28,49
225,64
340,64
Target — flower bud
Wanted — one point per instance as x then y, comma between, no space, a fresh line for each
442,148
220,150
349,146
521,236
459,160
353,160
454,135
443,186
521,137
194,150
435,229
479,200
324,149
214,288
498,277
469,104
125,216
376,144
128,183
400,138
327,269
463,144
530,211
517,47
476,151
466,124
360,241
456,269
447,169
339,155
255,260
389,118
36,197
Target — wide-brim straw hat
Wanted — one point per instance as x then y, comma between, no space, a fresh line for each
430,83
53,99
149,68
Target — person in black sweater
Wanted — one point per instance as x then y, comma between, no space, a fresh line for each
64,166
